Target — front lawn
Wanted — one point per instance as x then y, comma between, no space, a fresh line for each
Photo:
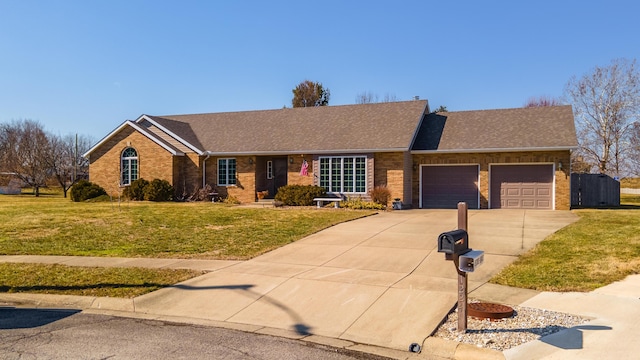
51,225
85,281
600,248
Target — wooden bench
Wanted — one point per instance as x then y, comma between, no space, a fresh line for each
335,200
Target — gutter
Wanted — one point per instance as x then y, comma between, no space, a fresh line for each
490,150
314,152
204,170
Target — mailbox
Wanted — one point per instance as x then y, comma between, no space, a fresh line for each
453,242
471,260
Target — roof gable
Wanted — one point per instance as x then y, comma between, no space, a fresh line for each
519,129
142,130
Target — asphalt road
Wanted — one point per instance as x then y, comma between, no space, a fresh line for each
70,334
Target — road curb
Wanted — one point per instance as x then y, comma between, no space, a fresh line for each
449,349
437,347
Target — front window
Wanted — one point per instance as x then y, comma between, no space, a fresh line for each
347,174
129,166
226,172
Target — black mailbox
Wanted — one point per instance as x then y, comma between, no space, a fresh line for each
453,242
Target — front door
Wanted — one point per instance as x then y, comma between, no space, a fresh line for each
279,173
271,174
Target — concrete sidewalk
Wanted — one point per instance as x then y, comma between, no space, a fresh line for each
377,280
612,334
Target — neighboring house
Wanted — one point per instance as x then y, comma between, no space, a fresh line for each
490,159
14,185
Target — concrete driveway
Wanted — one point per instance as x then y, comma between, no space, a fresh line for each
377,280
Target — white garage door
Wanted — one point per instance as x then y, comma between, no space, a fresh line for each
521,186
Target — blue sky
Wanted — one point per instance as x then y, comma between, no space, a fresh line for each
86,66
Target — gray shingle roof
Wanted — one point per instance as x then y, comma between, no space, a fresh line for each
350,128
521,128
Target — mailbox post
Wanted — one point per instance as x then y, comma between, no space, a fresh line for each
455,245
462,276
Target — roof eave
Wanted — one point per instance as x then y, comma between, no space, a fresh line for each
308,151
490,150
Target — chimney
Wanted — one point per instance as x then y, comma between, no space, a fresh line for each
416,97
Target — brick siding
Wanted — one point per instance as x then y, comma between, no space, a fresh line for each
398,171
390,172
154,162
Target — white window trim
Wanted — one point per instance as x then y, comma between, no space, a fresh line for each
128,160
227,183
354,157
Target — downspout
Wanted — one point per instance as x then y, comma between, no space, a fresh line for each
204,170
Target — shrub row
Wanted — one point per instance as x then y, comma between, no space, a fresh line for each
359,204
156,190
299,195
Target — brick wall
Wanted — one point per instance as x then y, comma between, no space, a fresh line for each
293,173
187,174
154,162
562,178
390,172
245,188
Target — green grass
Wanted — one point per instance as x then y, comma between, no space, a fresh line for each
600,248
84,281
52,225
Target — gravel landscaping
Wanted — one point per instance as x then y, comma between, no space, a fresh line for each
526,325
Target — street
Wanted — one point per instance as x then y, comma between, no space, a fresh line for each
71,334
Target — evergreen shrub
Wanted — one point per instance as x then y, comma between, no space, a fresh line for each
158,190
84,190
135,191
299,195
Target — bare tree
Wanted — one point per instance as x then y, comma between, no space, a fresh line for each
634,155
389,98
368,97
309,93
24,147
606,102
542,101
65,159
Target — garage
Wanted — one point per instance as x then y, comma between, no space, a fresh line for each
521,186
443,187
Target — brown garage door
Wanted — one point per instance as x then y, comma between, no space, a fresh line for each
522,186
443,187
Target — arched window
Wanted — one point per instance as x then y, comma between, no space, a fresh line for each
129,166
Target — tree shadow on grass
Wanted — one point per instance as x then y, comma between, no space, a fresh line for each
80,290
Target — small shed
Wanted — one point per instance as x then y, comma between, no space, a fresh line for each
594,190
